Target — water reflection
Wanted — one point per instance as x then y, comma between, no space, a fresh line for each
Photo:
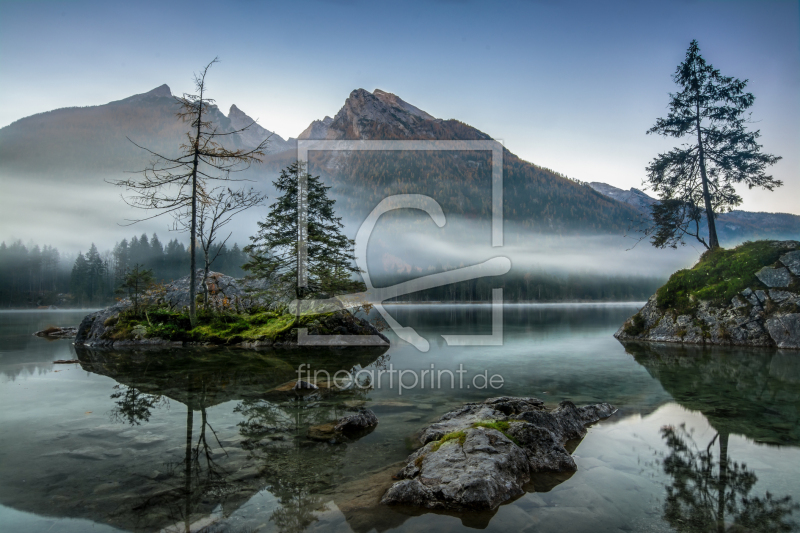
712,492
751,392
207,439
221,472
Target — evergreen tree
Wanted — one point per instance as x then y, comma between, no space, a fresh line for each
136,281
696,180
275,249
96,270
79,279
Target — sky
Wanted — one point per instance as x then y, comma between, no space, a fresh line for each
572,86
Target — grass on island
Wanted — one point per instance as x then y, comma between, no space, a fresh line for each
212,327
717,277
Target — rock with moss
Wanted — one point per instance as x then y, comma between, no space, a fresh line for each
745,296
484,454
234,315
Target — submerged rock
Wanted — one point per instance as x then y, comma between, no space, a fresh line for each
356,423
55,332
482,454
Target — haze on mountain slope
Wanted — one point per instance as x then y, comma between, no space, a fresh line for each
53,165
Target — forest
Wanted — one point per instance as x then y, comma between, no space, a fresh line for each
40,276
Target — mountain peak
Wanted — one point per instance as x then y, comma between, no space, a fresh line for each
395,101
363,111
161,90
238,115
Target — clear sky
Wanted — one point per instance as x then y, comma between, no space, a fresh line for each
572,86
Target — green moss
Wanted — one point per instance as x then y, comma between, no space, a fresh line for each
718,276
212,327
500,425
459,436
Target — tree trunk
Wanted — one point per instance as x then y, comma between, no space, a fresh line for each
713,242
187,482
192,236
723,480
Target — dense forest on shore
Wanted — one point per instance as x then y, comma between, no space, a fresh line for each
36,276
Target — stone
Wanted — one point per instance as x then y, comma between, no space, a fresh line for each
483,466
792,262
353,425
360,419
304,385
55,332
780,296
785,330
774,277
762,296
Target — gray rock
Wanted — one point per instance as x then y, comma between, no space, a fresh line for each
785,330
780,296
762,296
774,277
485,466
792,262
358,420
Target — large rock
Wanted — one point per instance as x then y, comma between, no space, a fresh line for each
785,330
482,455
774,277
792,262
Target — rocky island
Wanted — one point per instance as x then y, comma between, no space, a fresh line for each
233,315
483,454
745,296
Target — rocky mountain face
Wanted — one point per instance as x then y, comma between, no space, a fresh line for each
732,228
766,313
256,133
86,141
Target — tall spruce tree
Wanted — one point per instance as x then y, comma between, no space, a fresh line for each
275,251
696,180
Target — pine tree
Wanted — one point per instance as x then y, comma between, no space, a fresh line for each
696,180
274,252
79,279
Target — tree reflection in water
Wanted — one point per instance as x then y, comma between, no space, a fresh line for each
132,406
711,493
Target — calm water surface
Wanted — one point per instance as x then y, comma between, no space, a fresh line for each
704,440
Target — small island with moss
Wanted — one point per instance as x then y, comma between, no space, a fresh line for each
744,296
232,314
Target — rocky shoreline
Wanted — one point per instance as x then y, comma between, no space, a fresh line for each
764,314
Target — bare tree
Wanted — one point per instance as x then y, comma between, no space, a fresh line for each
175,184
216,209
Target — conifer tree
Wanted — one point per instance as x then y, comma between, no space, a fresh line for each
696,180
275,251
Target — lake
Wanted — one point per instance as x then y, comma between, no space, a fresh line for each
207,440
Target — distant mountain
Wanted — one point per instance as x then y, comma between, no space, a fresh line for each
733,228
537,199
92,140
65,154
